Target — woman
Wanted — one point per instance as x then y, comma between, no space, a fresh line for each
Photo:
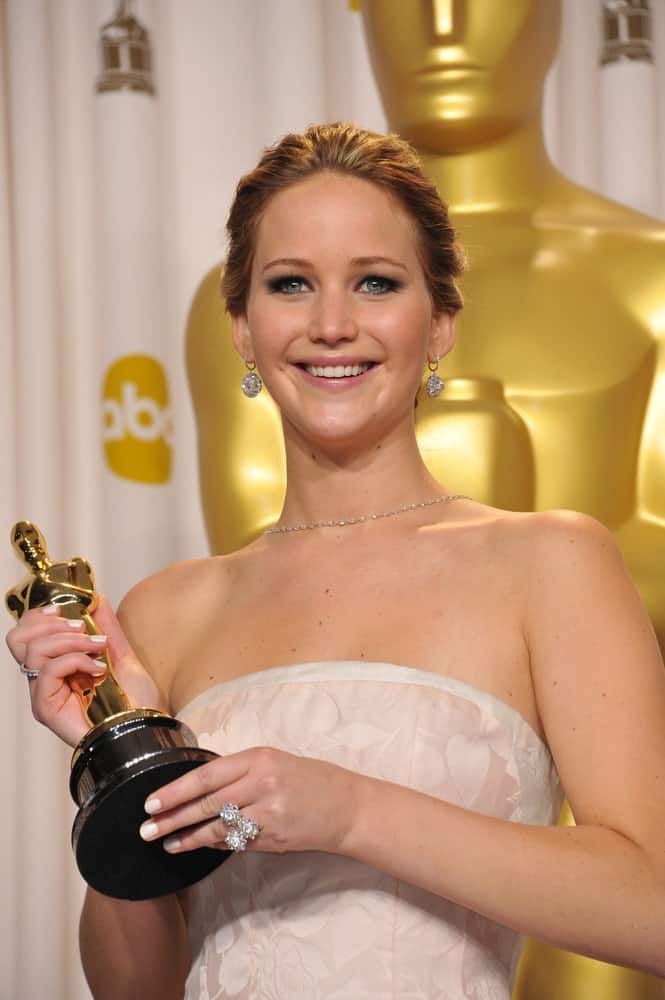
396,677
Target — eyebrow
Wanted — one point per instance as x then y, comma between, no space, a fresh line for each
356,262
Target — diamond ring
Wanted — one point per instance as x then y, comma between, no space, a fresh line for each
243,829
230,814
27,672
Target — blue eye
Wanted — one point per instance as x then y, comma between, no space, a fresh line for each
287,284
375,284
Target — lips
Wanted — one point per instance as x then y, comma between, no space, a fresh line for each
344,373
338,371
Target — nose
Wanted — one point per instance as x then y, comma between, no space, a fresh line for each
443,17
332,319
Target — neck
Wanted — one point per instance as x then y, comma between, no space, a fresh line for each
509,174
329,485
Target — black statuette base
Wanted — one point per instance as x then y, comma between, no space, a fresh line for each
116,767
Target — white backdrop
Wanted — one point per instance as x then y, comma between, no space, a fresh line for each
112,208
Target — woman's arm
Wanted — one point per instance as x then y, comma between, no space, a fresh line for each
133,950
588,889
137,950
598,888
130,950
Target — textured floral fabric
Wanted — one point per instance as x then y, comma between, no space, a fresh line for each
305,926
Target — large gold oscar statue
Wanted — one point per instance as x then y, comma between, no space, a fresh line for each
556,389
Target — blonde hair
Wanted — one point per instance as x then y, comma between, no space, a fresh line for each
384,160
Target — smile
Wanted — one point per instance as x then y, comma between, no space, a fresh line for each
337,371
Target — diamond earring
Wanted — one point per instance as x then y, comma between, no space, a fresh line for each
251,384
434,384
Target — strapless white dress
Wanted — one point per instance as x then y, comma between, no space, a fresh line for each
305,926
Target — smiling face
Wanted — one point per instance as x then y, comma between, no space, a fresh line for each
339,318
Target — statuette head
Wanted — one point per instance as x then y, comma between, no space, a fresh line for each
29,543
454,74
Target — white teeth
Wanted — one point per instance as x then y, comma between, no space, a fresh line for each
337,371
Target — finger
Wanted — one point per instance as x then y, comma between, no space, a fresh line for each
32,624
62,671
40,652
211,834
38,614
105,618
44,611
47,626
205,835
199,811
200,785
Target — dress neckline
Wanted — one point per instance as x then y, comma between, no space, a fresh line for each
372,670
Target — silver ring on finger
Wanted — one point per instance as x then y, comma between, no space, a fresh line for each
32,675
243,828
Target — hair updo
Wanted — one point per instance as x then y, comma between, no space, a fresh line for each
384,160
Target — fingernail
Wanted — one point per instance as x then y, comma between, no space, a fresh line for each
103,668
74,624
148,830
50,609
98,639
171,844
152,805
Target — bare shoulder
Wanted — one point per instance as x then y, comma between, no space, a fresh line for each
552,527
572,553
544,556
520,531
150,597
160,612
554,540
595,665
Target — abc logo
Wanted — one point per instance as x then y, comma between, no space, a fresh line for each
136,427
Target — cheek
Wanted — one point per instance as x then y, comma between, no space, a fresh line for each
269,330
408,331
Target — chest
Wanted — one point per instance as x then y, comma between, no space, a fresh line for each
412,605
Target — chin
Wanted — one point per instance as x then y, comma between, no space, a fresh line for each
335,435
456,123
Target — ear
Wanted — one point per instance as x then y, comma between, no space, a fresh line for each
242,338
442,335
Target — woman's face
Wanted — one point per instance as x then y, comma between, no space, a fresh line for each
339,318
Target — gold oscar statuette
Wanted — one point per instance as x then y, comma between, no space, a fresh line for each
125,755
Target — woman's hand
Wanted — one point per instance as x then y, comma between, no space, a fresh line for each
58,648
300,804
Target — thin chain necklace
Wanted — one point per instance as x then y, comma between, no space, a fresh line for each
286,529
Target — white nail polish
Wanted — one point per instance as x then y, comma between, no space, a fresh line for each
74,624
152,805
149,830
50,609
98,639
171,844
